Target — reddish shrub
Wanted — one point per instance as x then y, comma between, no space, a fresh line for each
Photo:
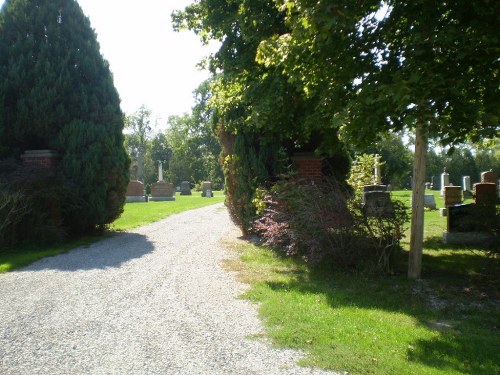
322,223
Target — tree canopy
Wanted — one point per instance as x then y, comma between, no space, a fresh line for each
195,149
381,66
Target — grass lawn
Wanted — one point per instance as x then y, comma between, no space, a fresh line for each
137,214
446,323
134,215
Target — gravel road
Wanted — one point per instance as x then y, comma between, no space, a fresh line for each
155,300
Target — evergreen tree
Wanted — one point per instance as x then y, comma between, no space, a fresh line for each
57,92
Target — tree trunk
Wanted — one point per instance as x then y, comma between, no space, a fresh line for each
417,213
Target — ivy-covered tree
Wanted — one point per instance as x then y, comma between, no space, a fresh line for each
57,92
260,116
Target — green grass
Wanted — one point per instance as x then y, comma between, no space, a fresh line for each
141,213
134,215
447,323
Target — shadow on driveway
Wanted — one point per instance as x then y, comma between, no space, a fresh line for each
108,253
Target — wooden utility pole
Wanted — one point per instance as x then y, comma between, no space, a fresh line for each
417,209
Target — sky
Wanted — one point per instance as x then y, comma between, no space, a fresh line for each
151,64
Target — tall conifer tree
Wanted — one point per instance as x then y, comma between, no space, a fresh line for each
57,92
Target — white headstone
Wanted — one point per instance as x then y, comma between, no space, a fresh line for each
466,183
445,181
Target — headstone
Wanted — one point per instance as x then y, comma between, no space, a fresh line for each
485,194
185,188
452,195
468,225
466,183
135,192
433,184
205,187
466,186
377,203
429,201
462,218
485,198
489,177
445,181
377,187
162,191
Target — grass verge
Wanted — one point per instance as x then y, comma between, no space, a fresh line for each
142,213
447,323
134,215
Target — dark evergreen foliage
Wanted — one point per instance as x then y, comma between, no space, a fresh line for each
57,92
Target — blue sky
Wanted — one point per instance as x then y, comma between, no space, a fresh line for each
151,64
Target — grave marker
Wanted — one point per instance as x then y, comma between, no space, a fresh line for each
135,192
206,189
162,191
185,188
445,181
376,201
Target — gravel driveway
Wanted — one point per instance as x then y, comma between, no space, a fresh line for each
151,301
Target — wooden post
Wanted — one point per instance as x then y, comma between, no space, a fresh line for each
417,213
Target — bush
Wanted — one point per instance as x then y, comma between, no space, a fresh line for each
322,223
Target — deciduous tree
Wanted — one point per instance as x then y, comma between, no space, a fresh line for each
430,66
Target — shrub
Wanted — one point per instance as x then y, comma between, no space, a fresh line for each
322,223
362,172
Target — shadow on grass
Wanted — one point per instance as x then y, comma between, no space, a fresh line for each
448,353
110,252
436,243
467,345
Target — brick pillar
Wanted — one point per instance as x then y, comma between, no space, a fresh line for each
41,158
308,167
